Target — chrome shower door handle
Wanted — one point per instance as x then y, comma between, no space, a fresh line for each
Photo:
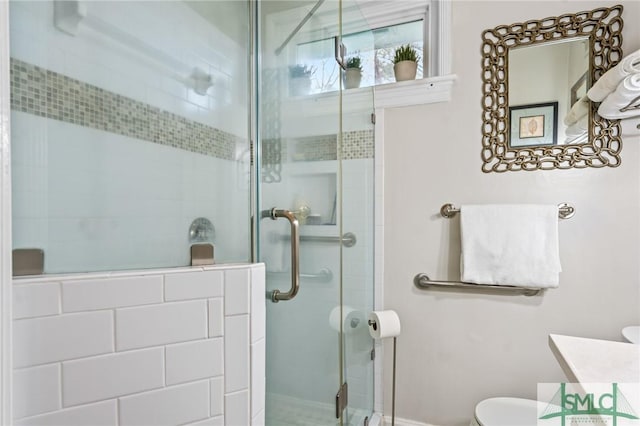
277,295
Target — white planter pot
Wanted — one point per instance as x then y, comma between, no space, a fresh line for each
352,77
405,70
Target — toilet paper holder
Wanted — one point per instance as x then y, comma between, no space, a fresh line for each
372,324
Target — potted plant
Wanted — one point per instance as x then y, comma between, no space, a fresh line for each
300,79
405,63
353,73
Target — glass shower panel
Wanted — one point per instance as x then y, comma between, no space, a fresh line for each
129,121
357,161
300,172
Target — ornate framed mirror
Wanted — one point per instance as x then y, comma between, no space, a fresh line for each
533,73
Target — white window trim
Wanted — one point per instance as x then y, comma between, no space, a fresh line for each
436,88
415,92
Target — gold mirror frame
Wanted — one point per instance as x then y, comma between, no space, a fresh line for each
603,27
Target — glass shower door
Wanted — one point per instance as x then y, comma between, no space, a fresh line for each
357,187
316,170
299,172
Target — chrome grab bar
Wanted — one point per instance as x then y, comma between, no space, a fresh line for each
274,214
348,239
423,281
323,275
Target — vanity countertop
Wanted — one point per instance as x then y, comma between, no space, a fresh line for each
596,361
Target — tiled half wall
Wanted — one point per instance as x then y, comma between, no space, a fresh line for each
181,346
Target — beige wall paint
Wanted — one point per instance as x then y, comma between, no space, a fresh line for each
459,348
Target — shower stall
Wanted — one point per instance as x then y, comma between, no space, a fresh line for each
140,130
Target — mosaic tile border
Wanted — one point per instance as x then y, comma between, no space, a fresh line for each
357,144
48,94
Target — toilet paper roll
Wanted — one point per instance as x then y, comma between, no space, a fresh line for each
353,319
383,324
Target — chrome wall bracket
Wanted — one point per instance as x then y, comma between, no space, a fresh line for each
28,261
202,254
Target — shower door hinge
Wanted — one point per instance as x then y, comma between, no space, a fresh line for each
373,354
341,399
373,118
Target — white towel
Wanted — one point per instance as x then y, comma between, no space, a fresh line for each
576,140
626,94
630,127
608,82
577,129
510,245
578,110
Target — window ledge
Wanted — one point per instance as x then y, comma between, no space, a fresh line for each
415,92
392,95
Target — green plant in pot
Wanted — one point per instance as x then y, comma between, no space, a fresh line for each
300,79
353,73
405,63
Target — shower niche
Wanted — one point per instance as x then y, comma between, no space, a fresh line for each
314,194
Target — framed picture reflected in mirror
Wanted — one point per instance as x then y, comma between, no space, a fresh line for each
533,125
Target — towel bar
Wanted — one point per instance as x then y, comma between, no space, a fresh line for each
565,210
422,281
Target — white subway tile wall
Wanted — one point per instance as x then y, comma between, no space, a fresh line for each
113,154
191,361
216,316
194,286
236,352
61,337
161,324
36,390
160,362
36,300
101,294
100,414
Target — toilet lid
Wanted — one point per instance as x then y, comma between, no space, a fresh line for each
507,412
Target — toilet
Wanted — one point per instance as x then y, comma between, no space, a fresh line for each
506,412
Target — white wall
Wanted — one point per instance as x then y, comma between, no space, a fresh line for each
179,346
459,348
